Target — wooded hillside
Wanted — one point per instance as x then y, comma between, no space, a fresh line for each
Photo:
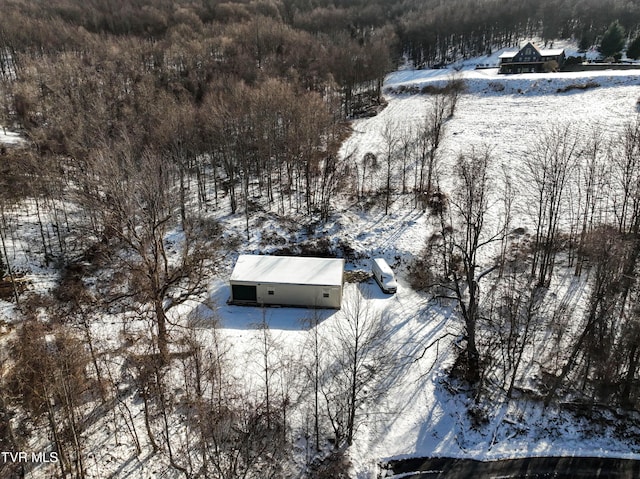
144,119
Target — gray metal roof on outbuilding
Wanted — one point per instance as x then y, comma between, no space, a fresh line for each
288,270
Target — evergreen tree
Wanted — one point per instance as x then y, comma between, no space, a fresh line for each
633,51
585,41
612,40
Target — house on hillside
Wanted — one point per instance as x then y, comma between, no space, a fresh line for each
287,281
531,59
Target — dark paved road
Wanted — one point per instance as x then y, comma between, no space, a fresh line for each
530,468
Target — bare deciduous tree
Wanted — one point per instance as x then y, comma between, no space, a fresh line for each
549,166
626,177
608,252
592,190
455,87
464,235
137,198
390,141
429,137
49,378
358,360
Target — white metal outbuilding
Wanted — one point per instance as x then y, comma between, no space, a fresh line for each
287,281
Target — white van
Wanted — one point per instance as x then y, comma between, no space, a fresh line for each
383,275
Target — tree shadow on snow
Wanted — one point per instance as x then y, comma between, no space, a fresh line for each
215,312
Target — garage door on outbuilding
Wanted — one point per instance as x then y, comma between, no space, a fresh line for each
287,281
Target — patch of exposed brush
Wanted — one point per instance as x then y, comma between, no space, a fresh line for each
357,276
578,86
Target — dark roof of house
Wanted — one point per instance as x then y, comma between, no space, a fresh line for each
550,52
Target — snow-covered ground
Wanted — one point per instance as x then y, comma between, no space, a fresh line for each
423,413
9,137
505,113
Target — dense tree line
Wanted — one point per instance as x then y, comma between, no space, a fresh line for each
432,32
428,32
